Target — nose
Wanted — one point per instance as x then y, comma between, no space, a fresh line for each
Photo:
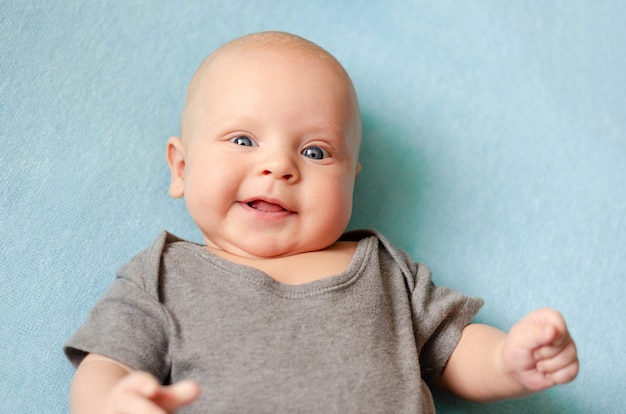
279,165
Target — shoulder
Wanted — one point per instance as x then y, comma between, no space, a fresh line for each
389,254
364,236
144,268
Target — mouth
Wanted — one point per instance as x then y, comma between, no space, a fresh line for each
266,206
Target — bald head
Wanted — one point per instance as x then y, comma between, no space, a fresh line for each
268,42
274,41
284,49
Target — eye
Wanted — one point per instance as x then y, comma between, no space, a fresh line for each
315,153
244,141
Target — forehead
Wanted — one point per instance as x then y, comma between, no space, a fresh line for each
257,79
272,66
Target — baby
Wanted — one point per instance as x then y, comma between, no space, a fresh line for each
279,310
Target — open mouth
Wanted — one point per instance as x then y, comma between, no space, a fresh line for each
266,206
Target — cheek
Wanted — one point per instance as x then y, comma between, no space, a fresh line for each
209,170
338,199
207,183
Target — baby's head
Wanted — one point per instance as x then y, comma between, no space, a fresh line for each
268,153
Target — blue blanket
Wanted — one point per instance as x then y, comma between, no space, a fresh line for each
495,148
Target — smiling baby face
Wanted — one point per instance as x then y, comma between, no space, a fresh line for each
268,154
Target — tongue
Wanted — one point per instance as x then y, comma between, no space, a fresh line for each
265,206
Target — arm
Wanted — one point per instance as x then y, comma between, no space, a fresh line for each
103,385
488,364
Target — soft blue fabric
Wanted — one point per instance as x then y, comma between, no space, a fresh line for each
495,152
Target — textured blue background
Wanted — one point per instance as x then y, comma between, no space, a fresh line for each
495,152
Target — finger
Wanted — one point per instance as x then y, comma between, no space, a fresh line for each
551,317
565,375
557,345
134,394
567,356
530,335
172,397
544,327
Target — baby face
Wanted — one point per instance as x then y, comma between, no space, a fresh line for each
269,153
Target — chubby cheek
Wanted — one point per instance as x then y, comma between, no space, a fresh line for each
199,206
335,207
206,192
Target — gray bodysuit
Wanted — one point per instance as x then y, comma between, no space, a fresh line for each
363,341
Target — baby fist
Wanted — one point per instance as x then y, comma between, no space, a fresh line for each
540,352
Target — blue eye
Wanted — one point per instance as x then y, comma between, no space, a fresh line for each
243,140
315,153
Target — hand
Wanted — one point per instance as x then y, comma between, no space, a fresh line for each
540,352
141,393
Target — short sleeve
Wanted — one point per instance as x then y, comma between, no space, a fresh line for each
439,316
128,323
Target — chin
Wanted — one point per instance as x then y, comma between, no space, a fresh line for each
266,250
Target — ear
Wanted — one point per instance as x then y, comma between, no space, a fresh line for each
175,155
358,169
